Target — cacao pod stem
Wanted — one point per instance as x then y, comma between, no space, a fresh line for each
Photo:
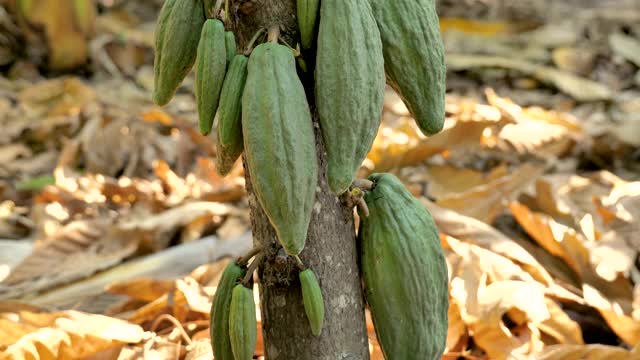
243,260
253,41
252,267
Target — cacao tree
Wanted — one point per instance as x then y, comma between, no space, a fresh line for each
298,86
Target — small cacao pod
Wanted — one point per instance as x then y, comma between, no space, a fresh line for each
230,45
307,18
176,43
313,301
210,71
230,142
404,272
349,86
242,323
219,326
414,57
279,143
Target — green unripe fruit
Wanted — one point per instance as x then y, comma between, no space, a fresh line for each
313,301
279,143
210,71
219,323
176,43
404,272
242,323
230,141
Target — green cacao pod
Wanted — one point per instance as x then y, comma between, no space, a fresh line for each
210,71
279,143
176,41
242,323
307,18
230,45
219,326
349,86
313,301
414,57
404,272
230,142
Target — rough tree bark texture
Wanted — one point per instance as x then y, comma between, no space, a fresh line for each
330,248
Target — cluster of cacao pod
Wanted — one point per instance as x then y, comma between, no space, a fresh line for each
263,111
233,312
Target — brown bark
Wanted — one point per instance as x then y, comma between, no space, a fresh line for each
330,248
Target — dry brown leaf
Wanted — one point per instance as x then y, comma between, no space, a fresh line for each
635,314
56,97
395,149
12,331
76,251
478,233
446,180
587,352
557,239
197,298
73,335
623,325
626,46
486,201
482,307
560,326
457,330
144,289
580,88
187,296
494,266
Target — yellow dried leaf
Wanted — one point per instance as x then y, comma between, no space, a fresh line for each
12,331
624,326
587,352
478,233
142,289
496,267
74,335
486,201
486,28
445,180
560,326
457,328
556,238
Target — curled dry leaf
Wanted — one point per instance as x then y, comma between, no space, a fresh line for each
580,88
72,335
587,352
76,251
478,233
485,202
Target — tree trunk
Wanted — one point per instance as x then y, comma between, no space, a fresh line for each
330,248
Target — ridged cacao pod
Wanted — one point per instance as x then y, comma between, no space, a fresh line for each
242,323
279,143
230,45
307,18
349,86
176,44
313,301
210,71
404,272
230,142
414,57
219,326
